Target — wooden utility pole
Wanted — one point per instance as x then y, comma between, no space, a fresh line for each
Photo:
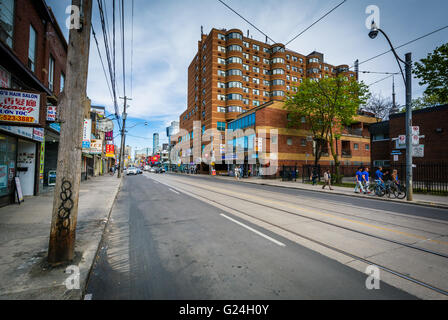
123,136
71,109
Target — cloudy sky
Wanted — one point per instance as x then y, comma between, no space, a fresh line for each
166,34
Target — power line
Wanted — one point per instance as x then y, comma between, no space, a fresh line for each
315,22
380,80
247,21
404,44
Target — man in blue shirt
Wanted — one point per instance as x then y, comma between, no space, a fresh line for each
366,180
358,181
379,174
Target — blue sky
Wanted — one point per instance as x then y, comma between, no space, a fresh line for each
166,34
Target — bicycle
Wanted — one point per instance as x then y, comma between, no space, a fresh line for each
400,191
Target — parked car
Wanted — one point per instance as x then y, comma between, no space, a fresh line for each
131,170
146,168
153,170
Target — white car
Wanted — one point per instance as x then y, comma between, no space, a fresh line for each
131,170
146,168
153,170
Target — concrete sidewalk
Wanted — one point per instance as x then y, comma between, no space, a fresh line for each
419,199
24,236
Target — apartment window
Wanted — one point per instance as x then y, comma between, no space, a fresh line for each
221,85
234,35
278,93
256,103
294,58
256,69
221,126
256,47
295,69
234,60
303,142
367,147
278,49
246,44
234,96
203,103
51,74
257,59
266,94
234,109
61,86
256,81
256,92
7,21
355,146
204,69
221,109
234,72
288,67
294,79
221,61
245,101
288,56
289,141
234,84
278,71
278,82
265,72
266,50
288,88
221,36
246,67
234,47
288,77
245,90
246,55
301,60
221,97
313,60
203,91
278,60
266,61
32,49
266,83
221,73
246,78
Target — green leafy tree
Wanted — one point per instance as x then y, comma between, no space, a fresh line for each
328,105
433,72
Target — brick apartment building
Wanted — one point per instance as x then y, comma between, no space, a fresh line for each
433,123
33,54
232,76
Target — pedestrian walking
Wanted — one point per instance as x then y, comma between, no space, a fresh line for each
358,180
314,176
236,173
241,172
366,180
293,175
327,179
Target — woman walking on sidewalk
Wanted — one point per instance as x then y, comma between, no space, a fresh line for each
327,179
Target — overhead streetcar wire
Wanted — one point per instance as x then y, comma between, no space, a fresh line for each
315,22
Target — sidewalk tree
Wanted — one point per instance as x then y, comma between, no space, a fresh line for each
327,105
433,72
305,104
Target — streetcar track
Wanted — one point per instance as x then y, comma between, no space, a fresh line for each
346,253
333,224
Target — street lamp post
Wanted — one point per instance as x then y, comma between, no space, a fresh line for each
408,84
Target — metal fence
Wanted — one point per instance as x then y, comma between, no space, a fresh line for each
429,177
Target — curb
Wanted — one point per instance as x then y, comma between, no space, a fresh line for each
101,241
415,202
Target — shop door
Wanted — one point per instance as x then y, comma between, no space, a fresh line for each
26,166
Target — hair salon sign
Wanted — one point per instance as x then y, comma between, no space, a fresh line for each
19,107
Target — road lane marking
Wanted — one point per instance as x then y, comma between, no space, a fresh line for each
255,231
311,211
174,191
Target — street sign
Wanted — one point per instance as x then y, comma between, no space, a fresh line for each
415,140
415,130
402,139
418,151
395,157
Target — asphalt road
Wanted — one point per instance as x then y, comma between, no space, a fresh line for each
165,244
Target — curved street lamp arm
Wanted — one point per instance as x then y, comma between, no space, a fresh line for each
395,54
